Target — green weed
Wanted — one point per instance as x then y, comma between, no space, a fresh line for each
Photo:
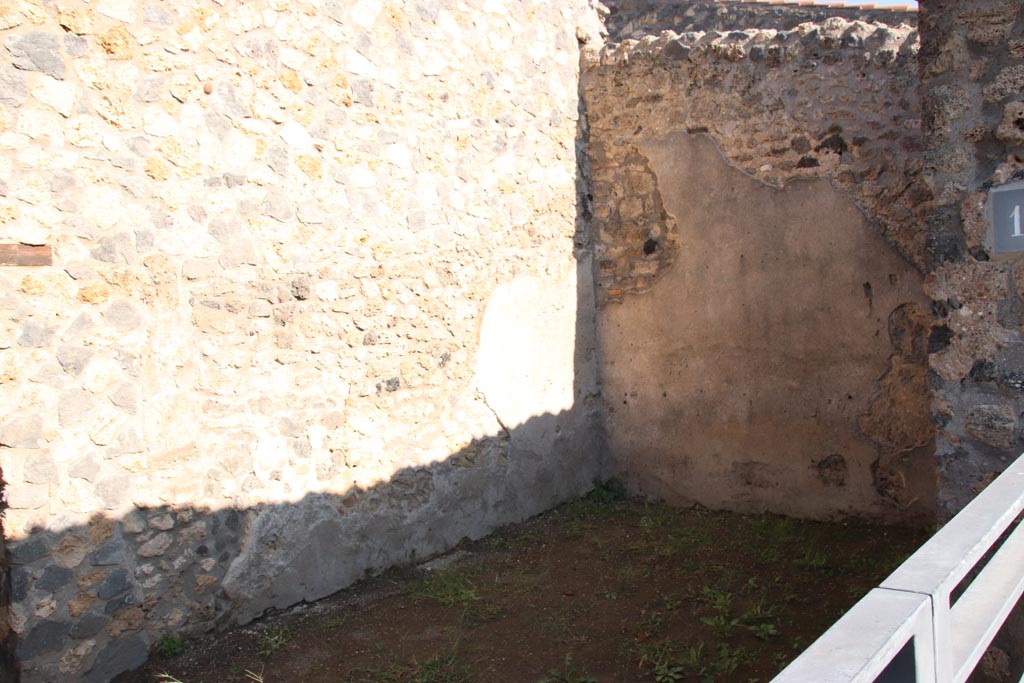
651,622
657,516
563,627
649,654
273,639
610,491
722,624
668,672
443,667
716,599
763,631
567,674
170,646
761,621
660,657
670,602
726,660
693,656
815,559
524,580
451,588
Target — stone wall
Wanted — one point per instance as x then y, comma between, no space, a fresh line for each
639,18
325,296
762,323
8,668
299,250
972,73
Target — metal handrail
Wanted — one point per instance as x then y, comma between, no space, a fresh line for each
910,628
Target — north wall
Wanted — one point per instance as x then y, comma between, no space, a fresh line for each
762,319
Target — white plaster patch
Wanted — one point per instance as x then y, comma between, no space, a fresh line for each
525,365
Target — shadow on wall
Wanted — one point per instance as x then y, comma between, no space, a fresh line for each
8,669
88,602
109,589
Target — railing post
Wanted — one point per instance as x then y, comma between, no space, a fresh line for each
861,645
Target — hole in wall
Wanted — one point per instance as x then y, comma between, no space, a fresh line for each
650,246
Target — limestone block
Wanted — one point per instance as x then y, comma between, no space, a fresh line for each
117,43
74,407
22,431
9,18
156,15
113,491
56,94
12,86
76,46
46,636
122,654
75,19
996,425
158,123
40,468
73,359
1011,128
1009,81
121,10
36,51
35,333
86,467
27,496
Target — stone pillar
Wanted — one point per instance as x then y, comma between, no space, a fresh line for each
972,91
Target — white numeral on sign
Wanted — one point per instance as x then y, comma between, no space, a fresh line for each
1016,222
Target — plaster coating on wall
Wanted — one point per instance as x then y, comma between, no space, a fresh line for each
781,366
835,100
743,379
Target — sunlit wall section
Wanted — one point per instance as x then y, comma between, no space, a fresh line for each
253,370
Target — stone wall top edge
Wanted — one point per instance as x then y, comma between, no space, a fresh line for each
875,43
827,5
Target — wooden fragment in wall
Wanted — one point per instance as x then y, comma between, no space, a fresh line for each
25,255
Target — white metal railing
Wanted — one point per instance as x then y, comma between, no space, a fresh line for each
909,629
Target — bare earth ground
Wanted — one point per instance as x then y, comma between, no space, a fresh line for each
599,590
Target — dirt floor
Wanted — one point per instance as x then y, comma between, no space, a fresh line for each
599,590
